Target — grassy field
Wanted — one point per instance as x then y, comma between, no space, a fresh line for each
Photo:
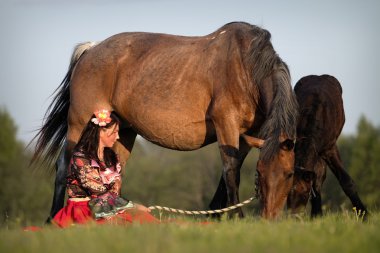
332,233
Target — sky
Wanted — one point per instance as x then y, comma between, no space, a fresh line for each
335,37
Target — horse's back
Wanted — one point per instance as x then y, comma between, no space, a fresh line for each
321,105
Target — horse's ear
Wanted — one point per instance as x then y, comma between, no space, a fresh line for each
253,141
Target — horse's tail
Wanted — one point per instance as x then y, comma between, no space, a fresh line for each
52,134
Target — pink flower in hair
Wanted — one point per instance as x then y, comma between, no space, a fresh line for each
102,117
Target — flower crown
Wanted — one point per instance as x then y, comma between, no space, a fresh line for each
102,117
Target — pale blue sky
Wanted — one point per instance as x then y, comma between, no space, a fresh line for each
336,37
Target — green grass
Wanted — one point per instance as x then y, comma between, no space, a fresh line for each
332,233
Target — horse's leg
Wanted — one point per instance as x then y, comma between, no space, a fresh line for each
60,182
316,196
127,140
334,161
316,203
219,200
228,140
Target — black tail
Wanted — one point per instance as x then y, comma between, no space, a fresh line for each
52,134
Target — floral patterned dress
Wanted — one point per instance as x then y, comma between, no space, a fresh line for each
94,194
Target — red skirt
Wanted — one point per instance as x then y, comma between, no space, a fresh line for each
78,212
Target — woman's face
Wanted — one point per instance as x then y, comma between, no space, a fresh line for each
108,136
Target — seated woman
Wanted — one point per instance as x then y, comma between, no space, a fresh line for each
94,180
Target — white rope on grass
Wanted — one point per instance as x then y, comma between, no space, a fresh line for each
173,210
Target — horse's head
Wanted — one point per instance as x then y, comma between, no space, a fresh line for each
275,175
306,170
301,190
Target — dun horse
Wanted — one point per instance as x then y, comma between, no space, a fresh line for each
320,124
182,93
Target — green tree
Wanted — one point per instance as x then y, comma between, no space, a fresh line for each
365,162
25,194
9,146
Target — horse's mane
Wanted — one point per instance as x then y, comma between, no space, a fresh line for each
282,116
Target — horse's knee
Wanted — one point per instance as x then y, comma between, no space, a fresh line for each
349,185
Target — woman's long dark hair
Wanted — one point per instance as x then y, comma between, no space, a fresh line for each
88,143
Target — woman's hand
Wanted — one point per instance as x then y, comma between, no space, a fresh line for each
142,208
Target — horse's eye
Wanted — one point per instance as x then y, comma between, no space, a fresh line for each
308,176
258,173
287,145
289,175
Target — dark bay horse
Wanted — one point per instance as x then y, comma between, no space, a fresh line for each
320,123
181,93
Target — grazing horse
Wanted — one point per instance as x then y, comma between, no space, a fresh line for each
180,93
320,123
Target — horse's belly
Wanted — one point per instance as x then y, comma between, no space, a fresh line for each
174,130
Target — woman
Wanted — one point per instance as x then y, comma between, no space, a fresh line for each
94,180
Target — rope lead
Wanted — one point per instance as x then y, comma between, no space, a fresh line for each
173,210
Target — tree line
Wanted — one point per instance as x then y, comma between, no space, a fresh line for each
185,180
